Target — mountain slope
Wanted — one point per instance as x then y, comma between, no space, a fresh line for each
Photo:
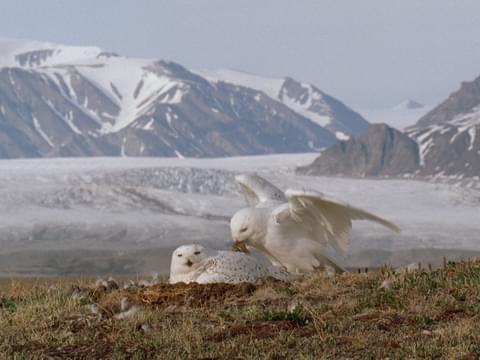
303,98
450,148
459,102
448,135
70,101
381,151
447,145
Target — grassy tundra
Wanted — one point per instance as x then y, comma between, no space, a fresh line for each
423,314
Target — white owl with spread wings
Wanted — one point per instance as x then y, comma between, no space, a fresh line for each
293,228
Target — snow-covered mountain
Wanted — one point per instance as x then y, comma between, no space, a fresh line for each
32,54
303,98
446,151
447,145
450,148
82,101
448,135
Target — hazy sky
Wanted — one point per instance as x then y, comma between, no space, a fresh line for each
368,53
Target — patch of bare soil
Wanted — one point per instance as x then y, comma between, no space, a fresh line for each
261,330
164,295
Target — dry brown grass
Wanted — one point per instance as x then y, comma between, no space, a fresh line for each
417,315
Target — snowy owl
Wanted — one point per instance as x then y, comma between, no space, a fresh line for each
293,228
196,263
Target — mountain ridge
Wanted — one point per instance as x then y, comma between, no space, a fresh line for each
59,100
301,97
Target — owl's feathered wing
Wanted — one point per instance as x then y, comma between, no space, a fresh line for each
301,229
258,191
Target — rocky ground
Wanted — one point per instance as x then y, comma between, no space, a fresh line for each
382,314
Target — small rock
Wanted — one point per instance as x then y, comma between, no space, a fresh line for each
293,306
385,284
101,284
426,332
112,284
95,310
408,268
145,328
124,304
145,283
76,293
129,284
329,271
126,314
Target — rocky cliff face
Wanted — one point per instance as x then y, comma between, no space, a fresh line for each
448,135
381,151
68,101
444,143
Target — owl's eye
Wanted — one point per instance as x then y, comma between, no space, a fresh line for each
179,255
197,252
243,229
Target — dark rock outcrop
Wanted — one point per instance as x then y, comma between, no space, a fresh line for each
382,151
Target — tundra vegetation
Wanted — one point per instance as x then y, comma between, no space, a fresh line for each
379,314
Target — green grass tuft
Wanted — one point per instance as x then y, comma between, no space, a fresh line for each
296,315
8,304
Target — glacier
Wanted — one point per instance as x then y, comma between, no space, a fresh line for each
90,216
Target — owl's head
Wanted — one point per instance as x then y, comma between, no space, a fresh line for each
186,260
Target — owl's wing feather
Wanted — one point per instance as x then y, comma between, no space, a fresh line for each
257,190
326,220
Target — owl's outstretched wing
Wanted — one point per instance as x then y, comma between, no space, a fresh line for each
326,220
257,190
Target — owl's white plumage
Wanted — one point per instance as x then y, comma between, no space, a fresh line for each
293,228
196,263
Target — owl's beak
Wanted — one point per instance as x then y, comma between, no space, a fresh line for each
240,246
189,263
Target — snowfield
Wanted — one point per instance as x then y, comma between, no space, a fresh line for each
125,215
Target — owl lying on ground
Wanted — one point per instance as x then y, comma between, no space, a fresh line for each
196,263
